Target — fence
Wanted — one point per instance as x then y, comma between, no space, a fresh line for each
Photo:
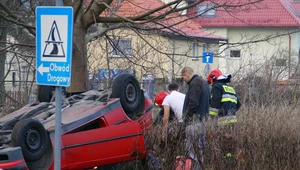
13,101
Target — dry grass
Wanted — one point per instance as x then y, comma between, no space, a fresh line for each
264,138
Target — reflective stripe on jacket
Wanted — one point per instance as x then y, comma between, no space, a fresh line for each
224,101
227,120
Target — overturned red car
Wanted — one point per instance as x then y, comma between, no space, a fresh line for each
98,128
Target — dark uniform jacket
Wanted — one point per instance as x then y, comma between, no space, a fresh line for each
224,101
197,99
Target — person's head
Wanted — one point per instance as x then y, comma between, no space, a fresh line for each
159,98
213,76
187,74
173,87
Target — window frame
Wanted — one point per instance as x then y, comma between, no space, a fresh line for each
119,43
280,62
204,13
231,56
194,50
14,78
24,73
204,47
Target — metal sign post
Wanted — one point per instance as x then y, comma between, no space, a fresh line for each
207,69
54,33
57,149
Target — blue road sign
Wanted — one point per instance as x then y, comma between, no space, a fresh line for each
208,57
54,34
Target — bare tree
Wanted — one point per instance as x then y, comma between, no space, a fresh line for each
87,15
2,59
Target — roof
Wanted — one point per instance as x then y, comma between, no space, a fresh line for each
173,23
266,13
293,6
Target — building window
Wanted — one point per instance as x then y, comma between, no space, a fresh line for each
14,78
24,73
207,10
235,53
204,47
280,62
195,50
121,48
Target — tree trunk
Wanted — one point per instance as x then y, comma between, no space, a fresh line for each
2,61
79,82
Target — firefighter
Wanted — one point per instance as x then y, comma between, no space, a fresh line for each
224,101
223,107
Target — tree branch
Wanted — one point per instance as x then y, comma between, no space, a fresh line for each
95,9
18,44
77,6
16,20
126,56
120,19
29,56
152,11
267,38
100,33
146,17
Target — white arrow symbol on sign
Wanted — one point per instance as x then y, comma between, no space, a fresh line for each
42,69
207,58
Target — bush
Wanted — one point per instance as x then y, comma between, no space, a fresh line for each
263,138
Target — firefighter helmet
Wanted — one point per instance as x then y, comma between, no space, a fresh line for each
213,75
159,98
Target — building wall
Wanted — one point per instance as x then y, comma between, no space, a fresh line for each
20,77
185,47
151,54
255,53
147,53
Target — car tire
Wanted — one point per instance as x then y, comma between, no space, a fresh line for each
127,88
32,137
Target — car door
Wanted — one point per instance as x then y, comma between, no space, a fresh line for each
104,145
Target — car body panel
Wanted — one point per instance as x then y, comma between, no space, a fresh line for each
81,114
12,159
97,146
94,133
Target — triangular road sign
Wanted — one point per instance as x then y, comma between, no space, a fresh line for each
54,46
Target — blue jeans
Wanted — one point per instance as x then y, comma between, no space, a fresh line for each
195,138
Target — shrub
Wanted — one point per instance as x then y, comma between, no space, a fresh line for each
263,138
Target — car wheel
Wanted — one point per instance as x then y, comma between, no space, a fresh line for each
32,137
127,88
